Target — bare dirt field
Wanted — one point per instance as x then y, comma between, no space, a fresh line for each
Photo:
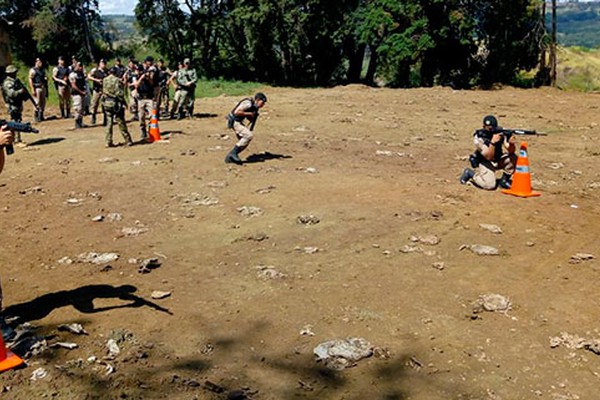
378,169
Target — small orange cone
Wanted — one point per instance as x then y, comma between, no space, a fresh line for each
8,360
521,181
154,132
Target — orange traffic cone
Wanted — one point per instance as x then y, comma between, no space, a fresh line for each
8,360
154,132
521,181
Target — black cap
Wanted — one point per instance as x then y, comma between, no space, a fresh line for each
102,60
260,96
490,120
149,59
113,70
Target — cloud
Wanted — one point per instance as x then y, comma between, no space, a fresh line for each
117,7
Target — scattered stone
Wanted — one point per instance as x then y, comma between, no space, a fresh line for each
217,184
382,353
249,211
579,257
338,354
64,345
269,272
148,265
439,265
308,250
410,249
307,331
97,258
491,228
157,294
492,303
301,128
38,374
113,349
73,328
114,217
34,189
431,240
197,199
556,166
308,170
265,190
74,201
213,387
574,342
188,152
108,160
65,261
480,249
308,219
133,231
258,237
98,218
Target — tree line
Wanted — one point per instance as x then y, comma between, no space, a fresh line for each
461,43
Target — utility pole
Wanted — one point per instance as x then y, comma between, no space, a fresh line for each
553,47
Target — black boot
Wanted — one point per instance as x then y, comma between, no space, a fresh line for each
78,123
233,156
143,135
93,119
467,175
104,122
506,181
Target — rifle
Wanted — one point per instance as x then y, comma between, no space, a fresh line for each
521,132
28,96
18,127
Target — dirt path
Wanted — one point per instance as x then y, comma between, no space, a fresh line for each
377,167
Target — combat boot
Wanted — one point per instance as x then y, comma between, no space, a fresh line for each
93,119
8,333
467,175
62,113
78,123
506,181
104,122
233,156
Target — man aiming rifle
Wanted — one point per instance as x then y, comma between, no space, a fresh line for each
494,151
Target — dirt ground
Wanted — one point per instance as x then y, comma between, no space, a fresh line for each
378,168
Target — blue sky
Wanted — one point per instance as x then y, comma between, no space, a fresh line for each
117,6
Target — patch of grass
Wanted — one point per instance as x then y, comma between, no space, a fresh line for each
218,87
578,69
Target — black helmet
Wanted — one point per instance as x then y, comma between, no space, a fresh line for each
260,96
490,120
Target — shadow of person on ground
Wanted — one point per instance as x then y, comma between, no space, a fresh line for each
82,299
262,157
205,115
42,142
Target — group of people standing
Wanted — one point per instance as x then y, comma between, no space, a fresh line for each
145,86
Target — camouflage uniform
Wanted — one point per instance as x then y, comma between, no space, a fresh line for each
14,92
485,173
130,78
186,82
246,109
113,103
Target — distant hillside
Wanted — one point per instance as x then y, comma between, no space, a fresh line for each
578,24
120,27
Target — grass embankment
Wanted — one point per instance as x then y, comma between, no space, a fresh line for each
578,69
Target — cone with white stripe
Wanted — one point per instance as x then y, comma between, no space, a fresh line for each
521,179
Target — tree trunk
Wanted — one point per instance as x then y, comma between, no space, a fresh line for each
370,77
356,57
553,47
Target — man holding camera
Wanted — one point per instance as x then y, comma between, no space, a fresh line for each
494,151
